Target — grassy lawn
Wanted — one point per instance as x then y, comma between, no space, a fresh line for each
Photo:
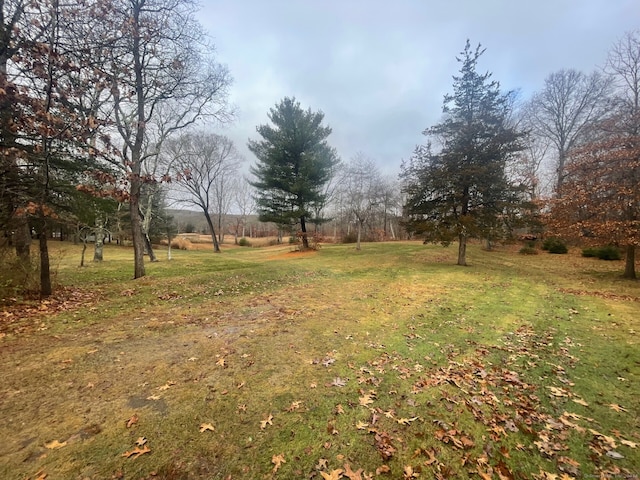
262,363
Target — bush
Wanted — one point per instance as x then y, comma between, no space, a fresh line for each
181,243
350,238
528,251
608,252
554,245
243,242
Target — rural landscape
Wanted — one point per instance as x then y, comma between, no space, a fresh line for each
177,305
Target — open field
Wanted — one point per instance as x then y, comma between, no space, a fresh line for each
262,363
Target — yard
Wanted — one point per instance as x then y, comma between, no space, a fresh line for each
264,362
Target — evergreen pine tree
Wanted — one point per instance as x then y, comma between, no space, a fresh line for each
294,162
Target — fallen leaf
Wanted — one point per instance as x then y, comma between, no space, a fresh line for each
222,362
136,452
277,460
366,400
55,444
334,475
383,469
558,392
338,382
617,408
409,473
206,426
322,464
40,475
350,474
141,441
362,425
407,421
132,421
265,422
432,457
629,443
294,406
153,397
580,401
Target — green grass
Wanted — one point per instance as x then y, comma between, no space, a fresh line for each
392,356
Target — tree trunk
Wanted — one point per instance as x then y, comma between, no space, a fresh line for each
305,240
169,239
99,243
630,263
214,238
462,249
84,249
359,231
22,239
136,230
149,247
45,274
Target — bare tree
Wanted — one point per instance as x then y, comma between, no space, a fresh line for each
245,205
200,160
562,111
363,189
224,186
160,65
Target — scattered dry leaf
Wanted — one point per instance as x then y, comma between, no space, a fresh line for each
136,452
206,427
334,475
617,408
55,444
406,421
350,474
409,473
366,400
141,441
338,382
132,420
266,421
383,469
277,460
294,406
362,425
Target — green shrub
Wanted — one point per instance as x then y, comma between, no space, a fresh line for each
608,252
528,250
243,242
554,245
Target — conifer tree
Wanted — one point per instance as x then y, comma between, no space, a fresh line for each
456,184
294,163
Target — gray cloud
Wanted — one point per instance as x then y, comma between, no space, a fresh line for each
379,69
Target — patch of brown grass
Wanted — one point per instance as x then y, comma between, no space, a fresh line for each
182,243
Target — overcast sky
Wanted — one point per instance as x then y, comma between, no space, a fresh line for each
379,69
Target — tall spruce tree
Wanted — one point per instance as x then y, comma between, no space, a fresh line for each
456,185
294,163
